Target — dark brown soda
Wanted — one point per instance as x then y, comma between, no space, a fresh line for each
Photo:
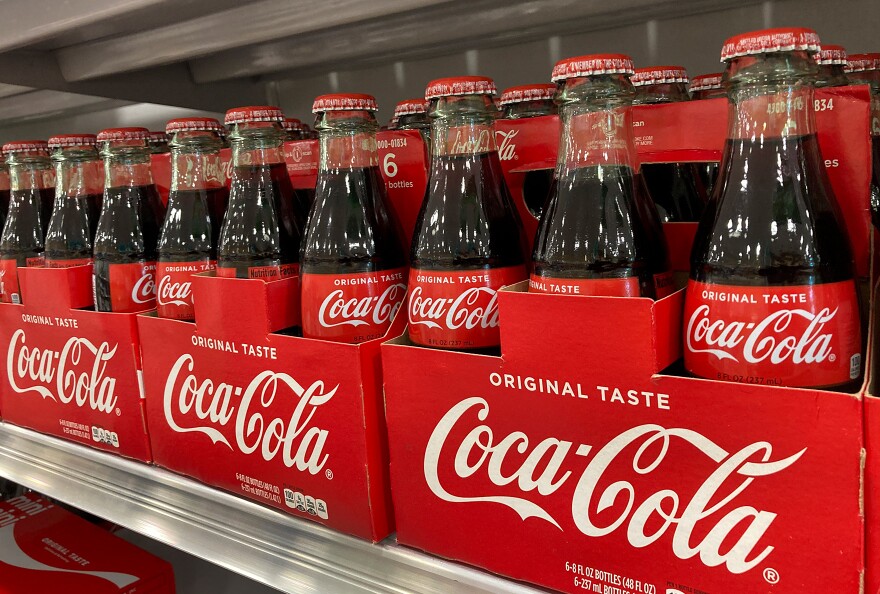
480,226
592,229
537,185
93,207
4,205
69,236
675,191
794,234
350,229
23,234
47,203
875,180
188,231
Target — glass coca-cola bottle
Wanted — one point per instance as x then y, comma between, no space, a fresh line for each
158,143
593,238
676,188
79,185
832,66
468,238
772,296
707,86
196,207
4,190
21,242
531,101
261,235
128,230
864,69
353,268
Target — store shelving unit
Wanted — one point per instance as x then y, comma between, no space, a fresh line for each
267,546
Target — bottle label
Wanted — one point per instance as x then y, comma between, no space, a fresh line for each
9,291
174,287
132,287
596,287
356,150
351,308
68,263
266,273
457,309
800,336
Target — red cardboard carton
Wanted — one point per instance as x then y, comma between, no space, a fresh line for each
71,372
45,548
572,462
293,423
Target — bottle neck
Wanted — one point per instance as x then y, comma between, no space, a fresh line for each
831,75
78,174
463,125
29,171
195,162
661,93
348,140
414,121
257,143
771,96
127,168
597,123
529,109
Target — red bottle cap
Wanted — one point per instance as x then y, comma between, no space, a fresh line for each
706,82
658,75
833,55
862,62
112,134
344,102
785,39
253,113
291,124
158,136
193,124
409,107
460,85
69,140
591,65
20,146
536,92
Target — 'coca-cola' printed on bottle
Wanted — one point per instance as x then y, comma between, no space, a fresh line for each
79,184
593,238
128,230
468,239
772,297
21,242
261,234
353,268
196,205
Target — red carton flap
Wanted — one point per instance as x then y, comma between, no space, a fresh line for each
56,290
235,307
680,132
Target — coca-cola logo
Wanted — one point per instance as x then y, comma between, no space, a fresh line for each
777,338
709,525
507,149
76,373
337,310
205,406
473,307
144,290
471,141
170,293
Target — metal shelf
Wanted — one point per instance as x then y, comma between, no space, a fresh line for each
267,546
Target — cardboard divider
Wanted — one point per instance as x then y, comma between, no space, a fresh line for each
293,423
71,372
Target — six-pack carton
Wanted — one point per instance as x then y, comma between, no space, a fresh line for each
583,459
45,548
70,371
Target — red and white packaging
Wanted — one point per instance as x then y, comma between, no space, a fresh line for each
45,548
290,422
600,472
70,372
301,157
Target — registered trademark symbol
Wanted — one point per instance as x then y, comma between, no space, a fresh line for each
118,413
329,474
771,576
832,357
